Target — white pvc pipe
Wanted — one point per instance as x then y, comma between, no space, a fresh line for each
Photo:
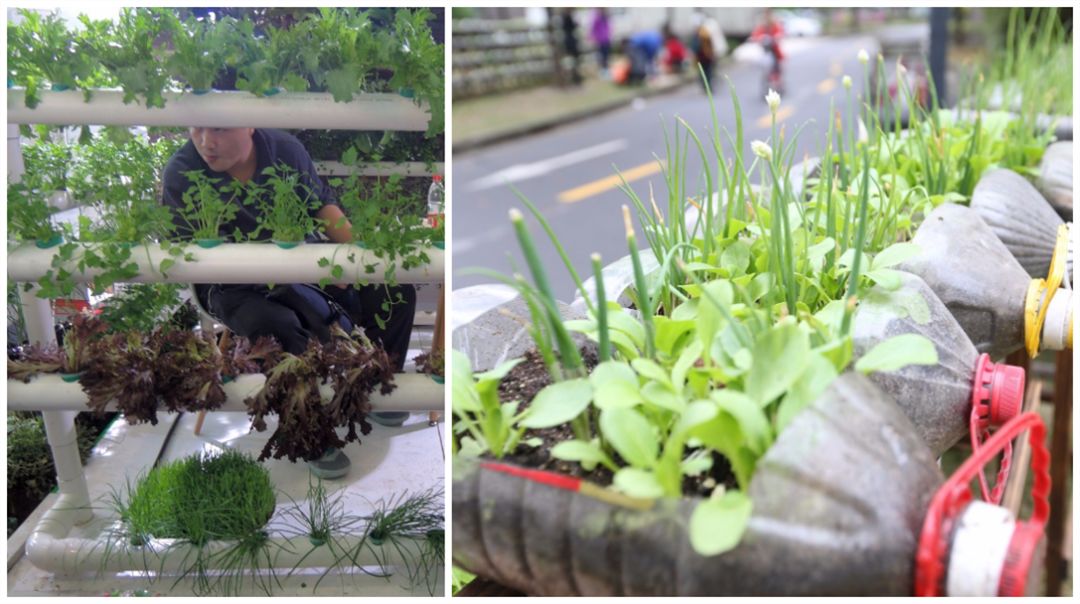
412,168
15,166
59,425
50,549
223,109
239,263
414,392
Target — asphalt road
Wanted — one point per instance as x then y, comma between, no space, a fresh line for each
569,172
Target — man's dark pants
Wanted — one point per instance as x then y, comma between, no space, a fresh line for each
249,311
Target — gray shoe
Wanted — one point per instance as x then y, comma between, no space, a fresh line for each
391,419
331,466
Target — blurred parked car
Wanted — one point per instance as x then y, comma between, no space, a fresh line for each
799,23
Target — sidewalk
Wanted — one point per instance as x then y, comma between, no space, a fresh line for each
490,119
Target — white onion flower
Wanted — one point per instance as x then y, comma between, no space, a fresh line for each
864,57
847,82
773,99
762,150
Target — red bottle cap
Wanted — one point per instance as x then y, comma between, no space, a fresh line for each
997,391
1020,560
437,178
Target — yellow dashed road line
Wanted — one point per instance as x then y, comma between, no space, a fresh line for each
826,86
784,112
597,187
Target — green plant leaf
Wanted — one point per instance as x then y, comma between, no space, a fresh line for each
558,403
631,435
615,385
650,370
893,255
710,317
497,373
465,397
696,414
718,523
814,380
735,258
662,396
896,352
579,451
686,360
752,420
887,278
695,465
780,356
637,482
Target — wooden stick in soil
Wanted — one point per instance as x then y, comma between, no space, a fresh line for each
438,342
1014,488
1060,464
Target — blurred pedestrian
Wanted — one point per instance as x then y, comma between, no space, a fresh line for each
709,45
642,49
601,36
674,51
768,34
570,44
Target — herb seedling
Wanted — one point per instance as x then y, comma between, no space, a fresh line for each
286,206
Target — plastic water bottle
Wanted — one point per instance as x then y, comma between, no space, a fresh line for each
436,196
939,398
986,288
1023,220
847,501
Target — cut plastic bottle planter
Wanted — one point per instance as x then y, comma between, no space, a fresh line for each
1055,180
844,504
1023,220
936,398
991,296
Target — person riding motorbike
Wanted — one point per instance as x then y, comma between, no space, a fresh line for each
768,35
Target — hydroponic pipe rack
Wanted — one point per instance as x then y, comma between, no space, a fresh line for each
223,109
240,263
53,546
414,392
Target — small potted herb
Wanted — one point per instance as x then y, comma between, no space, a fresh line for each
198,55
306,426
49,162
432,363
205,210
45,51
128,49
29,217
287,207
121,369
70,359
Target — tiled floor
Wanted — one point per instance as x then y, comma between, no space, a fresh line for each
388,462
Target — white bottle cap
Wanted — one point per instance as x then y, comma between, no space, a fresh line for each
979,546
1055,335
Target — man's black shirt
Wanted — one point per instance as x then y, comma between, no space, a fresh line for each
272,148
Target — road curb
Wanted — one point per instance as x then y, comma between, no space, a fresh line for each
532,128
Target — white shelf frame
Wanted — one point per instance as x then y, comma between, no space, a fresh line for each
50,547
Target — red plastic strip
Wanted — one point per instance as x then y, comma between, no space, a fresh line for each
549,478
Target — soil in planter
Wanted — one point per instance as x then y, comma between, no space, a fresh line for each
528,378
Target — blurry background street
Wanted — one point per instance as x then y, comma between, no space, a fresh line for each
523,123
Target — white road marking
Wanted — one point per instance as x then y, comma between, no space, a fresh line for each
522,172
